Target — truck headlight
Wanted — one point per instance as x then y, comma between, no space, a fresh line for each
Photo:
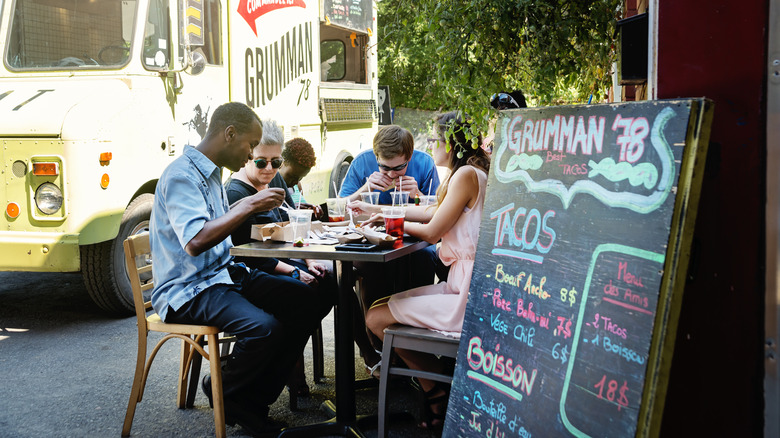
48,198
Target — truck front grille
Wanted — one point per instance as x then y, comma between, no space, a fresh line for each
348,110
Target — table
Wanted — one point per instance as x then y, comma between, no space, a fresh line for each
345,423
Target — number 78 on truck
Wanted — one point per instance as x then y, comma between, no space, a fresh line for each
97,97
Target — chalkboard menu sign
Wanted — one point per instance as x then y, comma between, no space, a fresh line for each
351,14
579,270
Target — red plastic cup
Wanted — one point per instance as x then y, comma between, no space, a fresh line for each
394,223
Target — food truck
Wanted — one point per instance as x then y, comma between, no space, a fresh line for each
97,97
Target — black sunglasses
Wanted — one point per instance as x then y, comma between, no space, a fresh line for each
503,101
393,169
261,163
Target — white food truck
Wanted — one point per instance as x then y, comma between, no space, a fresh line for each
98,96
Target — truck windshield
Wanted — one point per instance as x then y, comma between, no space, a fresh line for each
70,35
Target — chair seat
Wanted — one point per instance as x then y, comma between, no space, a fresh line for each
420,339
421,333
154,323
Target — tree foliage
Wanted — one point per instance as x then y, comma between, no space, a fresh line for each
442,55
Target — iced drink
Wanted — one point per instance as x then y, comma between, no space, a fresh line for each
337,209
394,224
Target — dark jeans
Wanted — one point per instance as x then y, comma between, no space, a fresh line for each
272,318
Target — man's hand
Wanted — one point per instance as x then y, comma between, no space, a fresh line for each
308,278
407,183
266,200
379,180
317,269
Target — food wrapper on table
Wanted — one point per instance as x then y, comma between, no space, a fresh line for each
279,231
378,238
349,238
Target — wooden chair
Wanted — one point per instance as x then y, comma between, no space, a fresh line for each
139,269
410,338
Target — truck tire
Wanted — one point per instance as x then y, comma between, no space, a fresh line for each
103,264
339,172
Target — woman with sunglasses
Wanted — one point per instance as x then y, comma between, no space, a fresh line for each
257,175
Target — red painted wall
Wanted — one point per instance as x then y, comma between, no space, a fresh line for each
717,49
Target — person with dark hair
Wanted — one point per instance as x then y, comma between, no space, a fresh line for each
511,100
455,222
197,281
502,101
299,158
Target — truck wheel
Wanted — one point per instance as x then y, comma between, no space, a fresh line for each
339,172
103,264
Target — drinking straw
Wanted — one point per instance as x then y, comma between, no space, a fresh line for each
336,190
430,185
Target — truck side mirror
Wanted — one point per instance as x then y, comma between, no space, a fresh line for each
197,62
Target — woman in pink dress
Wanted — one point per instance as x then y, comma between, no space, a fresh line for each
455,222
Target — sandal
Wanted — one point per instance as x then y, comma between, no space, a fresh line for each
375,371
435,406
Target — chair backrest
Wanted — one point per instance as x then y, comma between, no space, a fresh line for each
138,259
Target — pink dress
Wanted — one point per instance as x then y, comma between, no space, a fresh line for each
442,306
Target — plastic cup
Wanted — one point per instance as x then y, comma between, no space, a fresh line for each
301,225
399,198
337,209
370,197
394,223
428,200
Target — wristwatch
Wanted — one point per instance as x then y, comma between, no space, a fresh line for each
296,274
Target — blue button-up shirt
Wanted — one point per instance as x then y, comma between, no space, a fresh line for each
189,194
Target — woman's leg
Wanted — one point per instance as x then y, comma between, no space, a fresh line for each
378,319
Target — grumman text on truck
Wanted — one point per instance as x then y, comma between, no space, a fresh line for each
98,96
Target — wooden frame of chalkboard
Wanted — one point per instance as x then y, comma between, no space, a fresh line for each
579,272
357,15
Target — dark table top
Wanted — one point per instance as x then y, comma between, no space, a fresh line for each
325,252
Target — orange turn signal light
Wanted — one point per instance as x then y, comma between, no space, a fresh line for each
12,210
104,180
46,169
106,156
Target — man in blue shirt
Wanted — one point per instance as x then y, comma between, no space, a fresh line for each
393,163
196,281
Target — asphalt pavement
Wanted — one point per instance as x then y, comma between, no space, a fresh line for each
67,369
